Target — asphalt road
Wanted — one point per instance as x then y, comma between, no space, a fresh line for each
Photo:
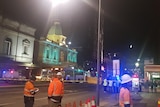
13,96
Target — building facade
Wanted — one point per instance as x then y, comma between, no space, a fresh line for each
27,55
16,43
52,52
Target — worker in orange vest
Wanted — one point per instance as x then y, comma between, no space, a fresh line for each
125,95
59,76
55,91
29,92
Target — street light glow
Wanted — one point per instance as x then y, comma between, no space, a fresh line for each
57,2
137,64
72,67
69,43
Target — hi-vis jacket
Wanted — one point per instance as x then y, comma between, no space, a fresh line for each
55,88
28,88
125,97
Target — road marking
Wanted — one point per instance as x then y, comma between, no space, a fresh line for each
41,98
4,104
12,92
76,93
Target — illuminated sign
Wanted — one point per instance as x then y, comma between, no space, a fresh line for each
135,82
116,67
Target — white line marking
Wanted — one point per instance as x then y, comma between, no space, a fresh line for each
4,104
41,98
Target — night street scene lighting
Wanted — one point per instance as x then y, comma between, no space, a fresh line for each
91,42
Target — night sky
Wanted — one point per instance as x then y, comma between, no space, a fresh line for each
126,22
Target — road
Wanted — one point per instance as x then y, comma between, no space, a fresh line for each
13,97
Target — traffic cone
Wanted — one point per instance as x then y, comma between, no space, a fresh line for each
74,104
86,104
93,104
89,103
66,105
80,104
158,102
69,104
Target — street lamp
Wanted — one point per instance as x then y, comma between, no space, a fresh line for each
137,64
69,43
57,2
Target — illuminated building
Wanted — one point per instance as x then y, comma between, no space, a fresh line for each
27,55
53,53
16,44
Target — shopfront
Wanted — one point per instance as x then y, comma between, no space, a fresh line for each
151,72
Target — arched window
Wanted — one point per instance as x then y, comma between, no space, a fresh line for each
7,46
26,44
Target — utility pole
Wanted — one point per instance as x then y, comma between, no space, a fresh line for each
98,52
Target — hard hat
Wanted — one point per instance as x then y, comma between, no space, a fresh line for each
59,73
125,78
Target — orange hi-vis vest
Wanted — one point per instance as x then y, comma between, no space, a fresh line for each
55,88
124,97
28,88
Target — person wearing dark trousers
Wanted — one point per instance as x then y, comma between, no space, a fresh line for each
29,101
55,91
151,84
155,86
29,92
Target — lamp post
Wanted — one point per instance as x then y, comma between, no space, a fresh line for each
98,52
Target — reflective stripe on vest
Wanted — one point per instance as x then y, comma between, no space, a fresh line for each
26,90
28,95
126,102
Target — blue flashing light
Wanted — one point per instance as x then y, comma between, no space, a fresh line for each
4,72
102,68
117,76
